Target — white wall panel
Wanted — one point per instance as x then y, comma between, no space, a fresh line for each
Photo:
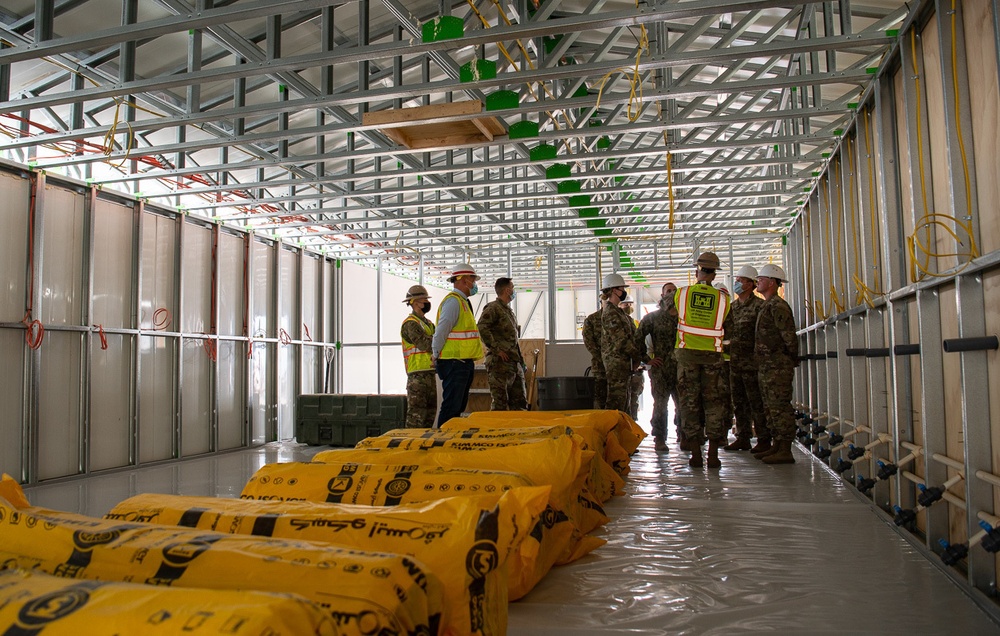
231,284
62,258
156,398
113,269
288,318
310,298
12,350
312,370
259,383
59,405
232,394
360,369
196,271
287,390
393,380
534,328
110,397
262,317
359,304
566,315
14,255
394,311
196,399
326,295
158,286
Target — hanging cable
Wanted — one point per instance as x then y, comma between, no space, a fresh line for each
103,337
162,319
283,337
34,331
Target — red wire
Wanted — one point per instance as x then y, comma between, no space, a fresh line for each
162,319
210,350
306,327
104,338
283,337
34,331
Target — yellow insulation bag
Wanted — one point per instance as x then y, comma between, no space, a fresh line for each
604,482
465,438
393,484
32,603
466,541
364,592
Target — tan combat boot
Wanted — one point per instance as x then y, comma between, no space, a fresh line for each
762,446
740,444
696,460
659,445
713,454
783,454
771,449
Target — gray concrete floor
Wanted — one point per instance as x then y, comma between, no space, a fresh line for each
747,548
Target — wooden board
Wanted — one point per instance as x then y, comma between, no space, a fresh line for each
437,125
535,362
984,97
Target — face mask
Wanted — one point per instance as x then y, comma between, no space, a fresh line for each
426,307
622,294
474,290
628,310
738,287
513,295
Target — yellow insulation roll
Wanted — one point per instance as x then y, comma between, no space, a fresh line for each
468,435
33,603
629,433
393,484
466,541
364,592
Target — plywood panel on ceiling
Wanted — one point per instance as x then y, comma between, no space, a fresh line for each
984,96
14,255
955,448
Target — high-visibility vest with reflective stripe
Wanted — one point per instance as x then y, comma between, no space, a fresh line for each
701,310
417,360
463,342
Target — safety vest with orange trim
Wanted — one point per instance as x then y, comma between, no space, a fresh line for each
701,310
415,358
463,342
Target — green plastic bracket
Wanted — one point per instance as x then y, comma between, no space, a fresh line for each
588,213
815,174
871,70
558,171
603,232
580,201
501,100
784,240
523,130
570,186
582,91
443,27
620,180
826,155
852,105
551,42
475,70
892,33
604,142
838,131
596,223
543,152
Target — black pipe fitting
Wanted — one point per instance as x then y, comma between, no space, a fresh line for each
991,542
818,429
928,496
799,415
953,553
854,352
823,453
904,518
865,485
842,466
907,349
800,433
831,354
855,451
808,419
885,471
808,440
985,343
878,352
819,356
835,438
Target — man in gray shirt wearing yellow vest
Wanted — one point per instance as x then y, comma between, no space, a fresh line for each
456,345
702,313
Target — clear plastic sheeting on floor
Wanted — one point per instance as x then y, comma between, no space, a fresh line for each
744,549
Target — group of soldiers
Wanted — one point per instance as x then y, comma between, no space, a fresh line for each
450,348
716,357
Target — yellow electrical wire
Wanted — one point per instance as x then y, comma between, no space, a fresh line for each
834,296
670,183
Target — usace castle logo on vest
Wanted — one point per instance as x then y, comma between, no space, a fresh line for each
701,300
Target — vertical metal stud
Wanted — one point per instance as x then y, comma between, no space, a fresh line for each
932,407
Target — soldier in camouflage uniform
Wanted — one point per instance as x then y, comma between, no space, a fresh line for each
504,365
638,381
592,340
619,353
421,386
777,349
661,329
747,405
702,323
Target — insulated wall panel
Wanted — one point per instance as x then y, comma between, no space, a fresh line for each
62,258
114,226
532,323
358,315
566,314
196,399
262,325
394,311
157,406
231,284
59,406
329,270
360,369
312,370
288,319
262,314
196,275
392,380
110,403
14,255
12,350
232,394
159,282
260,383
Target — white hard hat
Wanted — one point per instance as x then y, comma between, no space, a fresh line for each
747,271
772,271
463,269
613,280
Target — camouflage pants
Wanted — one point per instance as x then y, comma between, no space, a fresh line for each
506,386
663,381
776,393
635,390
703,395
600,383
421,399
747,405
619,376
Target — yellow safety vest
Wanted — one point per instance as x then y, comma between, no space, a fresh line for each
417,360
701,310
463,342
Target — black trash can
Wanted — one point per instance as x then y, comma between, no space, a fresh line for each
565,393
